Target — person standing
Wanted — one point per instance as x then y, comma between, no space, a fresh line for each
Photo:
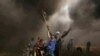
31,47
38,46
70,45
59,39
51,47
58,44
88,46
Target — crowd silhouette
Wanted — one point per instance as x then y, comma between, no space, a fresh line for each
39,48
53,47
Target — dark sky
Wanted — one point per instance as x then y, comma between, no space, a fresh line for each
19,21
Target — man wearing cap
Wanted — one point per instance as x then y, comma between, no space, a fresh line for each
59,40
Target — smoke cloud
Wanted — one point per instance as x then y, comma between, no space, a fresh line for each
85,28
18,23
82,16
20,20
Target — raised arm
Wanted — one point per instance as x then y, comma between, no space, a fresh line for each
49,33
65,33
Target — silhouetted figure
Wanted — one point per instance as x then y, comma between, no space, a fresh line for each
38,46
31,47
88,46
44,47
58,44
59,37
70,45
79,51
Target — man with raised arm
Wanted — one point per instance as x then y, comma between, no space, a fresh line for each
58,38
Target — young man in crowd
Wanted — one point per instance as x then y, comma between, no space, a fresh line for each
51,47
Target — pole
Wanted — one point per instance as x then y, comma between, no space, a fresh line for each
44,18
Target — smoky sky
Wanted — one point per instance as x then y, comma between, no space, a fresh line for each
21,19
86,22
18,23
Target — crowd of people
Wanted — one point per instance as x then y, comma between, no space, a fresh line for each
52,47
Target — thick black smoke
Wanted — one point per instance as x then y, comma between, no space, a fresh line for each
20,20
18,23
86,22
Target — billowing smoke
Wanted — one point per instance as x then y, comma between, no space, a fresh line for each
82,16
86,20
20,20
18,23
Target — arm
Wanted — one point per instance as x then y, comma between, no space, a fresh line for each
65,33
49,33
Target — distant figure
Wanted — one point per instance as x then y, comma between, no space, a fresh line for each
88,46
44,47
51,46
79,51
31,47
70,45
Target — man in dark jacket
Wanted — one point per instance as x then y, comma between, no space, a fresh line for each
31,47
59,40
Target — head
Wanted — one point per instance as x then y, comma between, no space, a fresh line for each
52,37
41,40
57,34
38,38
71,40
